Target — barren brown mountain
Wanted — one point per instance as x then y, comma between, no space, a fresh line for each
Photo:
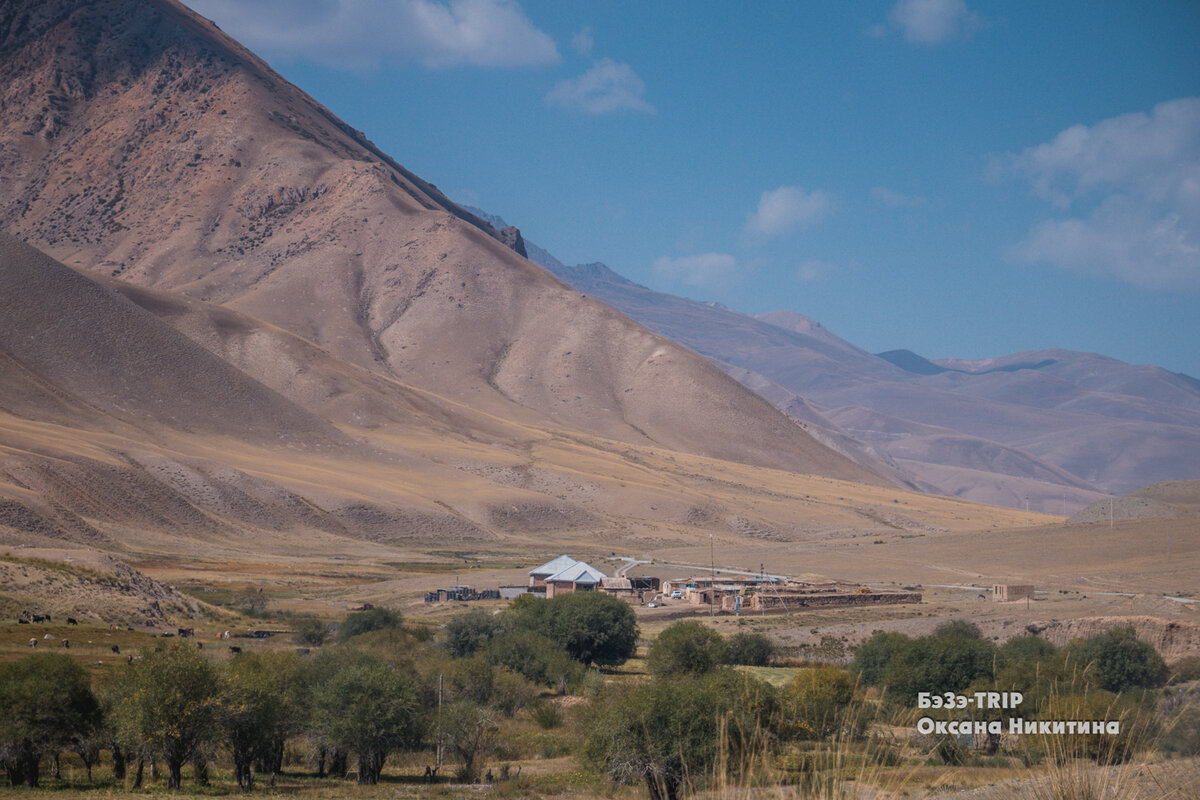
1052,428
140,142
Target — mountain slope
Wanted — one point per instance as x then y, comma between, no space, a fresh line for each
139,141
1051,427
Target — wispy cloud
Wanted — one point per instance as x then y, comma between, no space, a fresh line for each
786,209
815,269
706,270
583,42
929,21
1133,183
607,87
893,199
362,34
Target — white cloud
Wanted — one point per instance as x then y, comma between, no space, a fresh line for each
607,87
708,270
583,42
893,199
785,209
814,269
360,34
931,21
1133,183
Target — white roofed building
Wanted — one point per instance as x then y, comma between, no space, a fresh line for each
538,575
579,577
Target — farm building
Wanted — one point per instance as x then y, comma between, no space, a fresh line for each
538,575
1007,592
580,577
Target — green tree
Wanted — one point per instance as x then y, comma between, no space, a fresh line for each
1024,650
312,632
817,702
373,619
958,627
46,705
262,710
672,732
470,730
593,627
938,664
686,647
171,706
366,706
872,658
1119,661
538,658
749,649
467,633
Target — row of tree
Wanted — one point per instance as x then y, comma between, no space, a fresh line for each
380,690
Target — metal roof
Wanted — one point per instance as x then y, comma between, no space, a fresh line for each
555,566
579,572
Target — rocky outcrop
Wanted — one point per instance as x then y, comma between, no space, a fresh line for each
511,236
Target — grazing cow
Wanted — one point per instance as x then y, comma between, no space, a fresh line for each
67,643
233,648
41,617
22,621
199,645
185,633
129,658
72,621
167,635
116,648
33,642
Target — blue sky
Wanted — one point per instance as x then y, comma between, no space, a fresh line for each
958,177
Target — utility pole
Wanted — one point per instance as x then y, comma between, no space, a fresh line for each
712,575
439,740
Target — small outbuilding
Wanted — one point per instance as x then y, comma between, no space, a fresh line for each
1007,592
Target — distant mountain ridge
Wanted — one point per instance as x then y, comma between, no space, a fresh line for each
1054,428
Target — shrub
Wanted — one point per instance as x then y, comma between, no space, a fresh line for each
538,658
671,732
1119,661
749,649
938,664
686,647
1186,669
1024,650
873,656
468,632
816,702
373,619
312,632
958,627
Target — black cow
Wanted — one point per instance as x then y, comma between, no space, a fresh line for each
116,648
233,648
72,621
22,621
